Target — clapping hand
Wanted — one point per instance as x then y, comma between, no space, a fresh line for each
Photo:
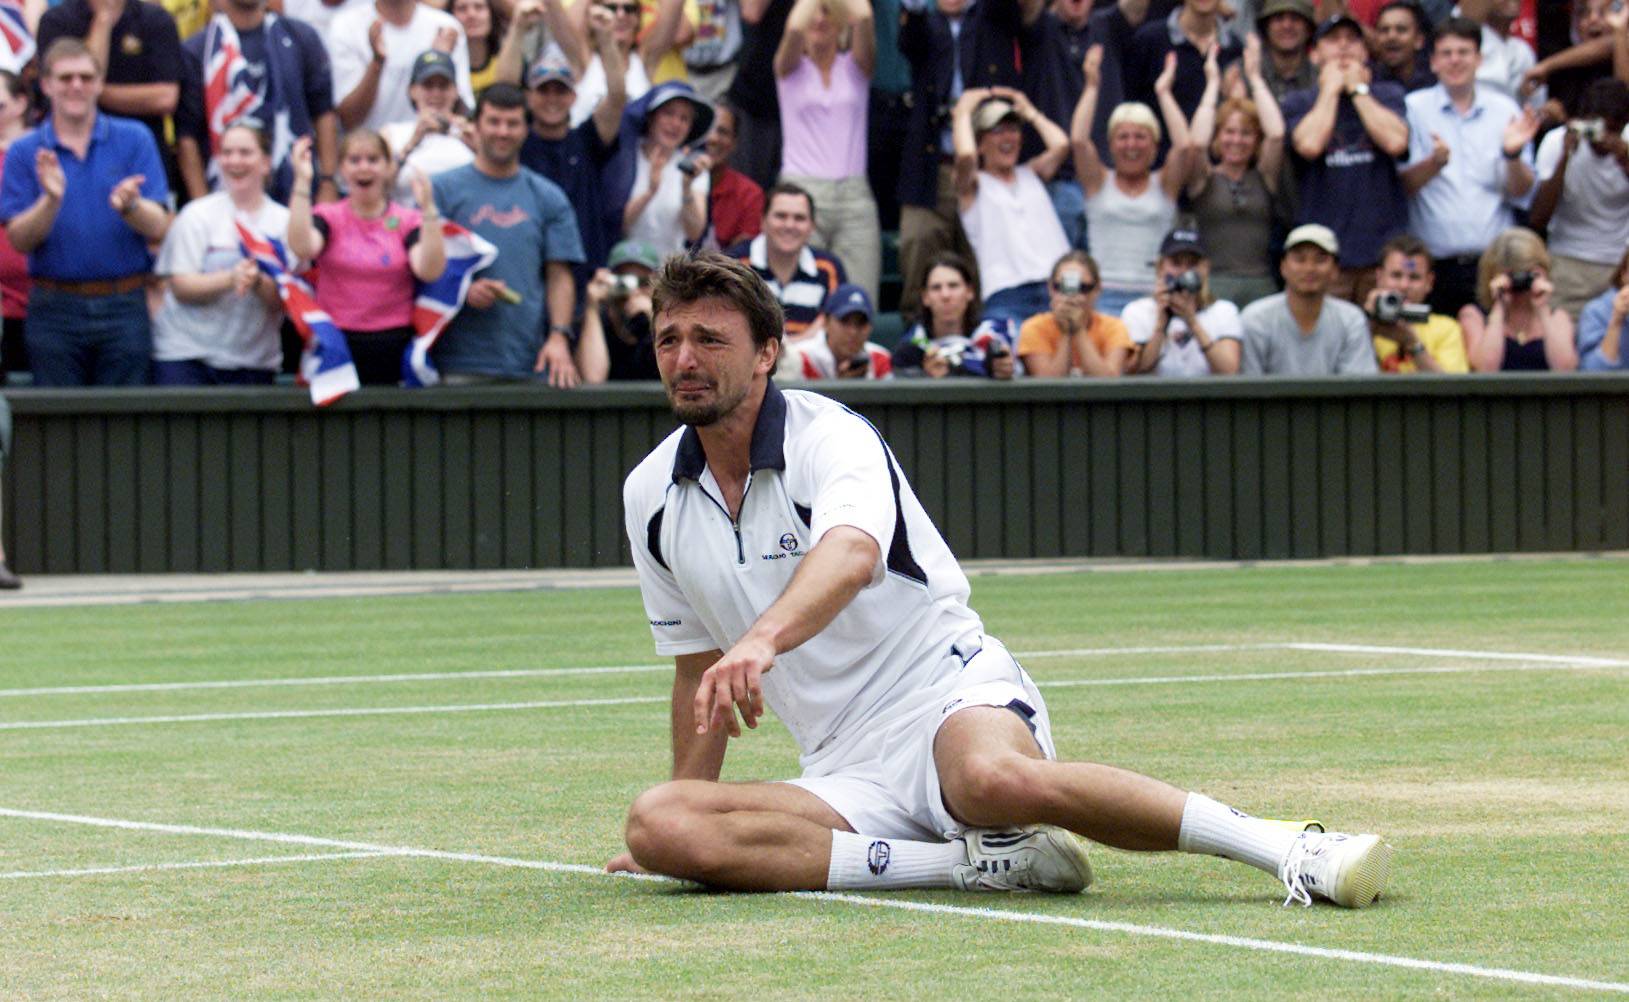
1520,131
1092,66
126,193
446,40
423,193
299,156
49,171
1167,77
1439,151
376,41
244,276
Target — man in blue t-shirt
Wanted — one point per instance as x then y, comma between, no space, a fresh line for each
517,319
1348,135
575,158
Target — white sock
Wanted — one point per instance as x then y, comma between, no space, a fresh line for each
1218,830
861,861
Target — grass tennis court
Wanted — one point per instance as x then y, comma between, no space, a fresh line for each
374,837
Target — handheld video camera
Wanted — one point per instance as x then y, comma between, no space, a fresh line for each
1389,308
623,286
1590,130
687,164
1069,283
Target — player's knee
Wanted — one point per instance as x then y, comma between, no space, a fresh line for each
655,831
995,789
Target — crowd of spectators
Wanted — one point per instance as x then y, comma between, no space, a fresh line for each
986,188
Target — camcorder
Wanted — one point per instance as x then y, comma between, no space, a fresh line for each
623,286
1522,281
1389,308
1590,130
687,164
1189,281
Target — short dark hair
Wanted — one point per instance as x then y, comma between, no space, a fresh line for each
68,48
1458,27
1408,245
689,278
788,188
1606,98
501,95
1421,25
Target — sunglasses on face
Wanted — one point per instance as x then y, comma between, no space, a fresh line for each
630,9
1074,288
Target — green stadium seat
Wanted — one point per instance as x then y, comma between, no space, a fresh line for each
887,328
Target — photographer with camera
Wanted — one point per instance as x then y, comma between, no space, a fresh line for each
1582,200
838,347
615,343
440,137
1513,325
659,173
950,340
1182,330
1408,337
1074,339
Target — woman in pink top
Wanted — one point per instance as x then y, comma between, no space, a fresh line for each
824,96
371,253
14,284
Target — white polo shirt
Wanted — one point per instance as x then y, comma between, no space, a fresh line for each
705,579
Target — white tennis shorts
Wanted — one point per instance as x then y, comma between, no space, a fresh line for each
885,783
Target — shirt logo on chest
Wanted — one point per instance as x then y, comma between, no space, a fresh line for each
789,548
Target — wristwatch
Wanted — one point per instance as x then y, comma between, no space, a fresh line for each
1359,90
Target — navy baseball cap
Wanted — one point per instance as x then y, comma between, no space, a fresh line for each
433,63
1339,21
847,300
1182,241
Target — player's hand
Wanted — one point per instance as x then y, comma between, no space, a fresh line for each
623,862
732,684
555,358
49,170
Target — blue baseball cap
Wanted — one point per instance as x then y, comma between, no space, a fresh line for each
847,300
551,65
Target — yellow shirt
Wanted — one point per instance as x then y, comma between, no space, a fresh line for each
1041,334
671,66
190,16
1442,338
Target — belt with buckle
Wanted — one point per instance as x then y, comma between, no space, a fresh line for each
96,287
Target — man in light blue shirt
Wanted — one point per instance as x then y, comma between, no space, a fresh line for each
1469,165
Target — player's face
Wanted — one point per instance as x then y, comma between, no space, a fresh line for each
707,360
1408,276
1308,269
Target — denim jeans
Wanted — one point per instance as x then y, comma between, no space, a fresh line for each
1069,202
76,340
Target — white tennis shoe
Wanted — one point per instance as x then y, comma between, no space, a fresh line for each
1042,858
1350,870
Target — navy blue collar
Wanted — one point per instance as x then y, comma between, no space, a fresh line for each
768,451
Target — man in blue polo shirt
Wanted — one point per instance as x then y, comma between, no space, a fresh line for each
82,196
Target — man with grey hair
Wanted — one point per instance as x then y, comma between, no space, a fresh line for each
928,758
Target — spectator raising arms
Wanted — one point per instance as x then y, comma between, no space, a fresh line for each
220,317
1074,339
824,94
1182,330
1129,206
1005,209
1600,328
374,48
1513,324
438,137
667,203
948,340
1235,201
371,252
642,49
14,282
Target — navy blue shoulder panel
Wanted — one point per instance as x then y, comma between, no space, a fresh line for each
653,538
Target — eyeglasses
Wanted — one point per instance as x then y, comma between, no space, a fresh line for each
630,9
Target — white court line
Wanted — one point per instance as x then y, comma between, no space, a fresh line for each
554,704
995,914
1079,652
96,871
365,711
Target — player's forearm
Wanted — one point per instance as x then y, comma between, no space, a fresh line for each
695,756
835,571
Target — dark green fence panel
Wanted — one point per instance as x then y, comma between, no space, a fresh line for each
219,480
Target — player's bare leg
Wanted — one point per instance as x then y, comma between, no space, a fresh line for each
736,836
992,774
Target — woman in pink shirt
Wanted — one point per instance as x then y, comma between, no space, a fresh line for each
824,95
14,284
370,252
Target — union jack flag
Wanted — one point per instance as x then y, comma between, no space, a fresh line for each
229,91
439,301
17,40
326,364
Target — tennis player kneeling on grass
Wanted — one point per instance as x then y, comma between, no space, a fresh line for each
784,560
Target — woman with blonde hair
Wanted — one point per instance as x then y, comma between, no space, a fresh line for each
1235,199
1513,325
1600,325
1130,206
